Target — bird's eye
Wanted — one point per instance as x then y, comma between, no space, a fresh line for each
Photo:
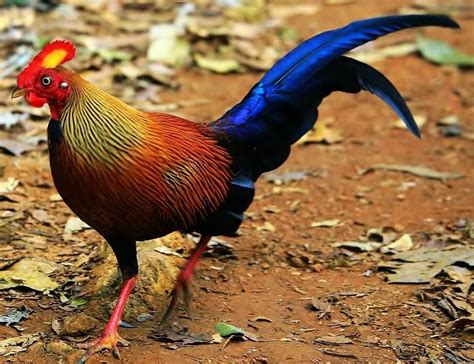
46,81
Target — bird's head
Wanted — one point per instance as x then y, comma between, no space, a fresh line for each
44,80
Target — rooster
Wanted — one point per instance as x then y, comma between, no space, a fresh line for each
134,175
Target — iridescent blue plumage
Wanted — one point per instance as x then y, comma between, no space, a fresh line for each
282,107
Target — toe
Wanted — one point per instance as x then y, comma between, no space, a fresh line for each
107,342
122,341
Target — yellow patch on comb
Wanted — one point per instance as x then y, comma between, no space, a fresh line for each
54,59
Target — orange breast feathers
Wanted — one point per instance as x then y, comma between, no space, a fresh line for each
173,179
192,169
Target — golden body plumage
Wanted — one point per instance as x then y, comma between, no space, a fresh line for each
133,174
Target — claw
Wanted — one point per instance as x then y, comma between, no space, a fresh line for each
106,342
181,289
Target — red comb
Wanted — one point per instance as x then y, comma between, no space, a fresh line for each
52,55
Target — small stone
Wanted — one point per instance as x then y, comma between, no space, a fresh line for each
449,120
157,278
267,226
59,347
398,228
297,262
401,196
37,348
55,197
78,325
318,267
450,131
144,317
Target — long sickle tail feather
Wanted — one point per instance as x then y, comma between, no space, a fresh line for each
369,79
283,105
311,56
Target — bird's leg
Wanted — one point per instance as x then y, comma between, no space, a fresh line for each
181,287
127,259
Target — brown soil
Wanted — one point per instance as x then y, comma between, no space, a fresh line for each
262,280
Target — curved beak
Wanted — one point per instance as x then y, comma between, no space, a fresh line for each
17,92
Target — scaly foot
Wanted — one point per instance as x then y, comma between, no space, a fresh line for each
108,341
181,289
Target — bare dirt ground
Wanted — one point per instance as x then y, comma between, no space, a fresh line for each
284,281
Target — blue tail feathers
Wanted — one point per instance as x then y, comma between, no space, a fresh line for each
282,107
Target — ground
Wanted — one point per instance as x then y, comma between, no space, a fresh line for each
282,269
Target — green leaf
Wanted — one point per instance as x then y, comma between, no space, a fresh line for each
41,41
20,3
441,53
110,55
288,33
79,301
226,330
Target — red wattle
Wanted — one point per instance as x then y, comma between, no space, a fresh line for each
34,100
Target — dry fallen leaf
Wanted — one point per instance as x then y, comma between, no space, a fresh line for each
333,340
326,223
172,51
14,315
419,171
218,65
15,345
400,245
356,245
267,226
287,10
448,120
380,54
16,147
280,178
75,224
321,133
459,274
9,185
29,273
8,119
167,251
419,119
40,215
420,265
176,340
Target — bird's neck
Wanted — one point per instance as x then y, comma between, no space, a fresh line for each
97,125
55,110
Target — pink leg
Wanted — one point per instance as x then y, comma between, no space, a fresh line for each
110,337
184,277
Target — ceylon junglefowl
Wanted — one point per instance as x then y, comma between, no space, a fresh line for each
134,175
